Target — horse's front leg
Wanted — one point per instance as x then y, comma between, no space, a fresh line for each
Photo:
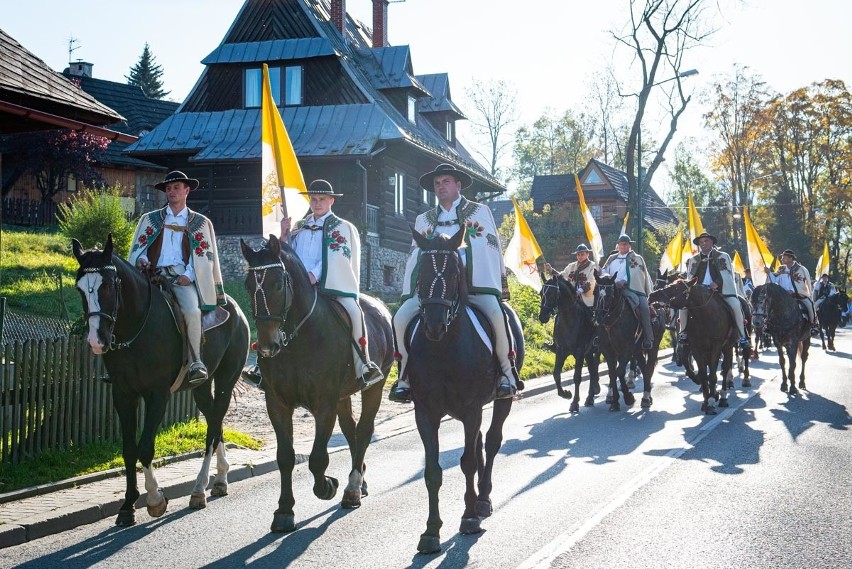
126,406
561,355
471,460
629,399
493,441
155,410
727,375
281,417
428,425
805,351
213,409
578,377
612,396
592,364
782,363
325,487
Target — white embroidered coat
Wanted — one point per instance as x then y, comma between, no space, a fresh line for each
341,256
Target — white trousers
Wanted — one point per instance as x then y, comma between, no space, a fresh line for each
488,304
359,331
187,298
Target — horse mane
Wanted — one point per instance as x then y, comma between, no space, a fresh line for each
294,265
463,293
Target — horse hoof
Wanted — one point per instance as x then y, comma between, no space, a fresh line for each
711,411
629,399
723,403
646,403
565,394
364,489
219,489
746,382
429,544
483,508
125,518
470,526
615,406
574,408
197,501
283,523
351,499
328,490
158,510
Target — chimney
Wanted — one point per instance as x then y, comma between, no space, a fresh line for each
338,15
80,69
380,23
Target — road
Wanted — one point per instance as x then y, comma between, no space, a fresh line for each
763,484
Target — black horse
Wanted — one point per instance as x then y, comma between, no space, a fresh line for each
618,335
784,319
131,323
304,346
829,317
712,334
453,372
573,334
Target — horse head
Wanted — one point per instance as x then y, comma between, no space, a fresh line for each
270,287
759,307
675,294
554,292
100,287
441,285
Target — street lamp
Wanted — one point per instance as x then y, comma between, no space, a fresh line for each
640,213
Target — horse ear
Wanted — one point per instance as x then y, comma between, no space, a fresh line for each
246,250
108,247
274,245
77,249
457,239
419,239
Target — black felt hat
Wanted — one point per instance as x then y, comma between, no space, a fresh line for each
444,170
789,253
177,176
581,248
624,238
705,234
320,187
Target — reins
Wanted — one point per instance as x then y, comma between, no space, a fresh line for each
112,318
439,279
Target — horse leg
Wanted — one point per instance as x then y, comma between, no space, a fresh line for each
612,392
632,374
578,377
281,416
647,374
325,487
625,388
428,424
493,441
214,410
155,410
727,375
561,354
126,406
346,420
592,364
805,350
471,460
782,363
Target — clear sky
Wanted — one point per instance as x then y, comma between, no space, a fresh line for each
547,48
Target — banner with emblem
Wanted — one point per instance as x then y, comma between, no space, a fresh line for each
592,233
695,226
823,265
671,258
281,177
522,252
758,254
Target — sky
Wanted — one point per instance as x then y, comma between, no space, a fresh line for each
548,49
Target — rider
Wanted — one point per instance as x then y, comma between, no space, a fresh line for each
181,245
329,247
823,289
713,269
480,252
631,275
580,274
748,283
795,279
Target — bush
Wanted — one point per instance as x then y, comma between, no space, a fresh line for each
92,215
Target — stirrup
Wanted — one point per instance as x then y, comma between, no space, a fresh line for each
370,374
197,373
506,390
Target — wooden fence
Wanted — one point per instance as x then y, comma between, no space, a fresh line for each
52,397
31,213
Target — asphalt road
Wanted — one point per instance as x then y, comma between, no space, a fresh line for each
763,484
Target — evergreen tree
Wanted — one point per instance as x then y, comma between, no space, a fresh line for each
147,75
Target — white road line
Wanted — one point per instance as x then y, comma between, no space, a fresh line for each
563,543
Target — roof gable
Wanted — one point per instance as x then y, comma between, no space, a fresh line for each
438,84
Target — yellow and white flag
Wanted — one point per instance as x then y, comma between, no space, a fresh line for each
281,176
758,254
671,258
824,264
685,253
592,233
695,226
522,252
624,225
738,263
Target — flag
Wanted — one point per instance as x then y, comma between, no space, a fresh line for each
738,263
624,225
671,259
824,263
695,226
685,253
522,252
592,233
280,172
758,254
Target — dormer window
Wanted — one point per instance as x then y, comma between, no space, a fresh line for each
450,131
290,84
412,110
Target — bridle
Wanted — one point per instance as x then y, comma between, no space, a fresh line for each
439,279
259,301
113,317
603,311
545,289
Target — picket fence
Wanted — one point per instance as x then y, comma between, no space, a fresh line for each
52,397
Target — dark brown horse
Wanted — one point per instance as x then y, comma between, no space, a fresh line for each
131,324
783,318
712,335
573,334
829,317
453,372
304,346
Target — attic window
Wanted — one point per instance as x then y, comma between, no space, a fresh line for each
593,178
412,110
449,131
290,85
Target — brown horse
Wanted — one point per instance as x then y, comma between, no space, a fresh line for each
782,317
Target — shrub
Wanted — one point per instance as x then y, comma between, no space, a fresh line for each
92,215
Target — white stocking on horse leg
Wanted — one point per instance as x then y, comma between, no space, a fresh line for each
154,498
198,498
220,482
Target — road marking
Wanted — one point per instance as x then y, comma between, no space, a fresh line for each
564,542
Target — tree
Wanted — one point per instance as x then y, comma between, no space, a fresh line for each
658,35
147,75
609,124
709,197
496,110
52,156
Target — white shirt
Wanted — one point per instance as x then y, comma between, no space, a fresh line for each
618,267
708,278
308,244
171,253
450,230
783,279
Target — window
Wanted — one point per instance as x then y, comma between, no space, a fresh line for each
388,275
597,212
399,192
593,179
292,86
449,131
427,197
412,110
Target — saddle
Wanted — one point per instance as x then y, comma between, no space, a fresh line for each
480,322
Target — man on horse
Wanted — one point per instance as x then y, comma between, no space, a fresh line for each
580,274
631,275
181,245
796,280
482,255
748,283
823,289
713,269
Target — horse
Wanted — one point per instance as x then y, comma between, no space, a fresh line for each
829,317
618,331
573,334
131,323
304,348
668,314
453,372
783,318
712,334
